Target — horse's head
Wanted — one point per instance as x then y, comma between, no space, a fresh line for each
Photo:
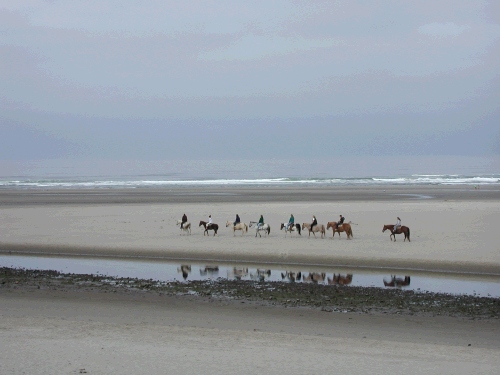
282,226
227,224
201,223
303,225
329,225
385,228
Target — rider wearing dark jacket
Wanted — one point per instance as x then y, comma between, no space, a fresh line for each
261,221
184,219
237,219
341,221
315,222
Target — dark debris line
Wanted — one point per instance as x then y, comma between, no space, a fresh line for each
325,297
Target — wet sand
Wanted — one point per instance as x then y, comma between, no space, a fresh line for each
95,331
91,329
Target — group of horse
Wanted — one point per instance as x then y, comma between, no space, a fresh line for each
318,228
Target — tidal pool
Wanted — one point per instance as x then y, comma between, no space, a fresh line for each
452,283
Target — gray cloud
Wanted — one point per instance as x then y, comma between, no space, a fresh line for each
116,79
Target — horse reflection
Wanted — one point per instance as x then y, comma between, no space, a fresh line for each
315,277
260,274
237,273
209,271
397,282
340,280
185,270
291,276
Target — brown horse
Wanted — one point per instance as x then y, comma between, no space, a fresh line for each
314,277
340,280
207,227
346,227
401,229
317,228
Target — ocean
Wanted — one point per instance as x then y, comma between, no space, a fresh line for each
360,171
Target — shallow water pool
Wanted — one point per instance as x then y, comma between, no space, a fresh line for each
480,285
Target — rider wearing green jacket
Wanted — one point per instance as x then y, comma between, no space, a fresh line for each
261,221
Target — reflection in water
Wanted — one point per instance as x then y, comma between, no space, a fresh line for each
340,279
291,276
314,277
185,270
210,271
260,274
166,271
237,273
397,282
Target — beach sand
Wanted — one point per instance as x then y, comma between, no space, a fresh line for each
89,331
452,233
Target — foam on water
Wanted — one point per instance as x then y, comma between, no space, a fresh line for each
89,183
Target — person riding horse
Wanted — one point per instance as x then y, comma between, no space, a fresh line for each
261,221
209,224
290,223
183,220
237,221
396,226
315,222
341,221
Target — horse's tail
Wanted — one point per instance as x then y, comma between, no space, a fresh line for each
246,227
298,229
408,234
268,229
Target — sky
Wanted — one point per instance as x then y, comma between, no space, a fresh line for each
173,80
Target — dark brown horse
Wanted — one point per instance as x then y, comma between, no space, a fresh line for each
207,227
346,227
401,229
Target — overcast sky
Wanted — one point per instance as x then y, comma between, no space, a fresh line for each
157,80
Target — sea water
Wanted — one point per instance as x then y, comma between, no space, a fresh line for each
361,171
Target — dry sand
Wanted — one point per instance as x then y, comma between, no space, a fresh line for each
58,332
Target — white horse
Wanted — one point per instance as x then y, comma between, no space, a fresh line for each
240,226
291,228
186,227
265,227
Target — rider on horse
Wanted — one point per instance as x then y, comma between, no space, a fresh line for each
315,222
341,221
237,221
396,226
261,221
291,221
209,224
183,220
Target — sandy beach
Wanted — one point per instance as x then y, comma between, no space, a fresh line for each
60,330
452,228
